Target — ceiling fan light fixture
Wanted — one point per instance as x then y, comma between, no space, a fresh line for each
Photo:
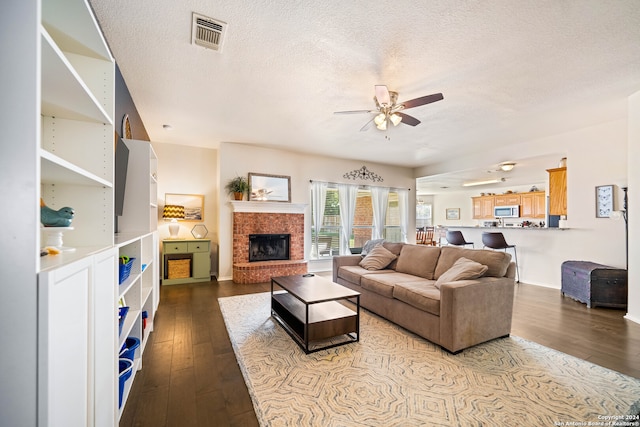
379,119
382,126
507,166
395,119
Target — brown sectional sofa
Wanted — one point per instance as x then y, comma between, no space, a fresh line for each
454,315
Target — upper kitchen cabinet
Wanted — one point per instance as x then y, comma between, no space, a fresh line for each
533,204
557,191
510,199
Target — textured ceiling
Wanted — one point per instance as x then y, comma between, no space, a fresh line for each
510,71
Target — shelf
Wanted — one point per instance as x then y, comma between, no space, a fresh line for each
146,293
129,321
64,93
124,287
49,262
55,170
75,27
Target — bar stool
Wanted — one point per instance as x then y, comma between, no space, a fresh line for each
497,241
457,239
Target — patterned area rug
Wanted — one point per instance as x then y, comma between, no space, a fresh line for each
394,378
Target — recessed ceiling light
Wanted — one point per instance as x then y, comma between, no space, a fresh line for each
507,166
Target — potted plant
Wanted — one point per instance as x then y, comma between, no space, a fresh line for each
237,186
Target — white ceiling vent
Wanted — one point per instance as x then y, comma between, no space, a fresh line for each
207,32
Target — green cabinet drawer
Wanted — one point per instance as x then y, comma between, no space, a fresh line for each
198,246
176,247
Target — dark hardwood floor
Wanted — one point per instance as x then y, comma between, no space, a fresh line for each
190,376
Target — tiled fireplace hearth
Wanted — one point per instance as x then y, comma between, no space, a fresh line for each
267,218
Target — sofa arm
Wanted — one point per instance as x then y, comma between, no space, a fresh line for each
342,260
475,311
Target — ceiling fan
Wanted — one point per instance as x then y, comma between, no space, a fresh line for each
389,110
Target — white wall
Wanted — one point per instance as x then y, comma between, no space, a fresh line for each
633,312
189,170
240,159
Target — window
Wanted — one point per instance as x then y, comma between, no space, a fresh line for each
423,215
327,238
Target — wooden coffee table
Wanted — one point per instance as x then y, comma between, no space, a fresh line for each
308,308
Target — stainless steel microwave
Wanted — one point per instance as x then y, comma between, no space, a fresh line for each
506,211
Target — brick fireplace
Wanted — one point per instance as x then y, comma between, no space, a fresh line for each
250,218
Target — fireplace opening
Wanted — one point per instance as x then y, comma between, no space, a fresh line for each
268,247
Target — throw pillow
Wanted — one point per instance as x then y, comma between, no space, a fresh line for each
370,244
377,258
462,269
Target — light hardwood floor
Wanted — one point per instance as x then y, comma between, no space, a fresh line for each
190,376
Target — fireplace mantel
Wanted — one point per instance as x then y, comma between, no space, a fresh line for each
268,207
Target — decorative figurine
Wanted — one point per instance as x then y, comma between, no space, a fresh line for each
53,218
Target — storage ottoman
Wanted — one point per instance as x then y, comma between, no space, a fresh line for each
595,284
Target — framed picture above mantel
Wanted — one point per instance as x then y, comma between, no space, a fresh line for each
270,188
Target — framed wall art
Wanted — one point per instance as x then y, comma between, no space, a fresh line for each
604,201
270,188
453,213
193,205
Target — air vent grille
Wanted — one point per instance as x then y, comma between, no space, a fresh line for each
208,32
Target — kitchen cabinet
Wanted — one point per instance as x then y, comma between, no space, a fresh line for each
512,199
557,191
483,207
533,204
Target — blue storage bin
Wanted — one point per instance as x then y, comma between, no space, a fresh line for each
122,314
128,350
124,270
126,369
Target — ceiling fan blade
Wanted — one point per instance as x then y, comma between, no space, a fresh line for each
382,95
408,120
422,100
354,112
367,125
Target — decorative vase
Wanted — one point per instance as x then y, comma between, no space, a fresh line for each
238,196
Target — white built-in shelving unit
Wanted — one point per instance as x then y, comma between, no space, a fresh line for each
78,289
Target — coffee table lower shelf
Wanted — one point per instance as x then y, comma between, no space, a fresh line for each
306,323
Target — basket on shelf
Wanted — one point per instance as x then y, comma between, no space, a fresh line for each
126,368
124,268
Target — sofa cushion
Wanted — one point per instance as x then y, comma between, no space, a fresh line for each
382,284
420,294
353,273
462,269
369,245
418,260
496,261
394,248
377,258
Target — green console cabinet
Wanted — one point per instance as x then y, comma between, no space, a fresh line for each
186,261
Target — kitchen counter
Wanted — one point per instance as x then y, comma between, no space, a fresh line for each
478,227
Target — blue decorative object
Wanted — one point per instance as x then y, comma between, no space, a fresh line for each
53,218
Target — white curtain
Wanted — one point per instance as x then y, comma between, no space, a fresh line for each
347,197
318,200
379,200
403,206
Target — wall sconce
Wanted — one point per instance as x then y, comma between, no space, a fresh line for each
174,213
